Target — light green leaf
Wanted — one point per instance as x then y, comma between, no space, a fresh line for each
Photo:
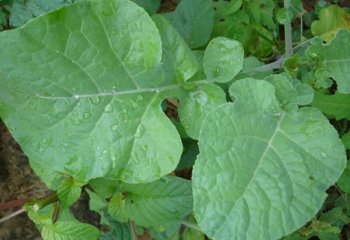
177,57
155,203
151,6
96,202
69,191
344,181
194,20
285,92
334,57
223,59
197,104
69,231
269,169
332,18
104,187
94,84
336,106
24,10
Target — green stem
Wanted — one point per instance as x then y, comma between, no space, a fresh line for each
43,202
191,225
288,33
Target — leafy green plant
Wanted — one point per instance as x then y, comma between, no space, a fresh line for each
83,89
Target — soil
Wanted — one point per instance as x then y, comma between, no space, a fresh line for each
17,182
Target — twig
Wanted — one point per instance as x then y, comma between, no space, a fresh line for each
14,214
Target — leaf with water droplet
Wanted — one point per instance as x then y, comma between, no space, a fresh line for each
196,104
223,59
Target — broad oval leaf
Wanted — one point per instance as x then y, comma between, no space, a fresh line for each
165,200
265,173
223,59
79,93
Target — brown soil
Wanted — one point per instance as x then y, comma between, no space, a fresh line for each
17,181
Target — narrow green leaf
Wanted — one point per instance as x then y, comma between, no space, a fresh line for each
269,169
155,203
69,231
334,58
336,106
194,20
223,59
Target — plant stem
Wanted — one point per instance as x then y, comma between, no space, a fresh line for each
133,230
191,225
288,33
43,202
14,214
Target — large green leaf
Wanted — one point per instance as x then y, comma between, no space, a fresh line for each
151,204
334,58
265,173
194,20
336,106
79,93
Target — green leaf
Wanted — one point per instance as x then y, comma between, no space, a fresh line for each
269,169
344,181
334,57
336,106
69,191
332,19
104,187
96,202
155,203
285,92
151,6
262,12
24,10
111,49
197,104
120,231
189,155
194,20
336,216
69,231
223,59
346,140
176,54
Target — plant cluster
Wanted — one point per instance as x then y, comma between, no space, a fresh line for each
117,98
